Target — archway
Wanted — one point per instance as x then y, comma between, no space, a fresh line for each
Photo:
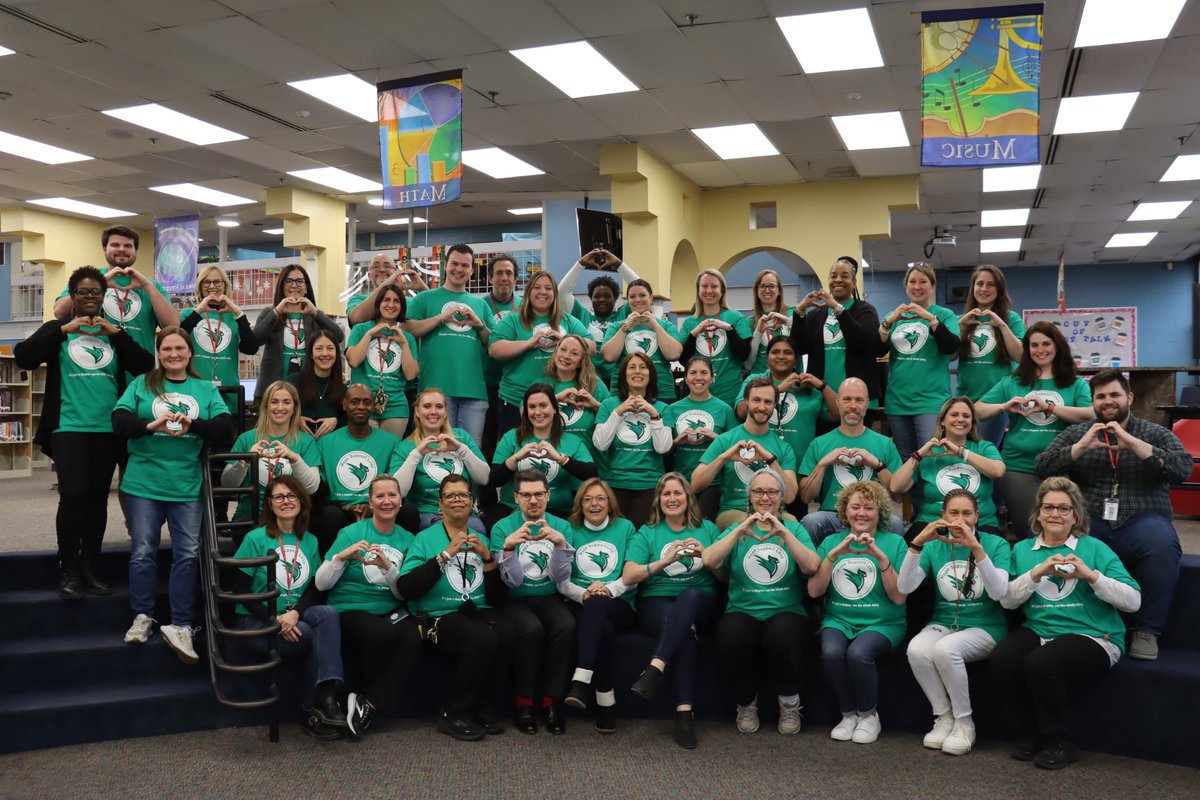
684,267
796,275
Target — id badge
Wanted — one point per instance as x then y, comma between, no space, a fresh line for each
295,364
381,401
1110,509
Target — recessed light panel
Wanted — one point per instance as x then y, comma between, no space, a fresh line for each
1011,179
348,92
833,40
1167,210
1004,218
1099,112
872,131
498,164
79,207
338,179
736,141
576,68
1131,239
202,194
181,126
1118,21
999,245
37,151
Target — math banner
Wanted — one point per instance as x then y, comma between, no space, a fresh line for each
1099,337
420,140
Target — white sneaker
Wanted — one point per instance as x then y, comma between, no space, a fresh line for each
961,739
844,730
179,637
140,630
941,729
867,729
789,717
747,718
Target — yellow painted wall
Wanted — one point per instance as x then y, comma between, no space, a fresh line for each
316,225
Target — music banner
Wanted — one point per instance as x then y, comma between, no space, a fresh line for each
420,140
176,248
981,70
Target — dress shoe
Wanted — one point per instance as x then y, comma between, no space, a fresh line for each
685,730
1055,755
92,582
647,683
487,719
1026,748
69,586
461,728
524,720
552,715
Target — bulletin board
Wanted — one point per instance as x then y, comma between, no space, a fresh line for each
1099,337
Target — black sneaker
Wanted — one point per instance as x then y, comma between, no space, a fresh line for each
69,585
461,728
606,719
648,682
313,726
1026,748
685,730
577,695
1056,755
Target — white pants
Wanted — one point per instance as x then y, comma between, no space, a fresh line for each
939,656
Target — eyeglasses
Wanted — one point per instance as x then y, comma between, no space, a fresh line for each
1062,511
217,283
456,496
294,281
532,495
764,493
284,498
89,292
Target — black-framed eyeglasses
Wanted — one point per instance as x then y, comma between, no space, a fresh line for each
294,282
215,283
284,498
1062,511
89,293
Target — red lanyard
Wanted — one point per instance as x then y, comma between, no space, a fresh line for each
709,336
290,574
272,462
384,352
122,296
212,339
295,329
1114,458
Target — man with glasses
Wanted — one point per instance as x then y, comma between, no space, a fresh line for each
380,274
1125,467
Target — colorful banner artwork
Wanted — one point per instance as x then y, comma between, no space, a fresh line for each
176,246
1099,337
981,69
420,140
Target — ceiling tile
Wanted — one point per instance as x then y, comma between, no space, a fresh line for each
765,170
701,105
752,48
658,58
788,97
632,114
710,174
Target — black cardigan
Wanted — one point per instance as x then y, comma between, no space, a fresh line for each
859,324
44,347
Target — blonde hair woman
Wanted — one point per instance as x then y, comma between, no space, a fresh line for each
717,332
219,330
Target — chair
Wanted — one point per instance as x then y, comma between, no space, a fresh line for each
1185,498
1189,396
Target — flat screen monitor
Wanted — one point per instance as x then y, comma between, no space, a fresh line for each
598,229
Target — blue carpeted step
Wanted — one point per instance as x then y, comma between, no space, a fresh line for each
33,613
39,569
88,660
1183,632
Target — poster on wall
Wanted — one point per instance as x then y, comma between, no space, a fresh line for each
420,140
981,69
1099,337
176,247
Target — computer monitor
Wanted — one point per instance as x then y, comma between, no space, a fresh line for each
598,229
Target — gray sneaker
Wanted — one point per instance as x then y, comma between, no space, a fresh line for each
140,630
179,637
1144,646
789,718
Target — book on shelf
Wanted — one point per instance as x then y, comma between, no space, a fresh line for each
12,430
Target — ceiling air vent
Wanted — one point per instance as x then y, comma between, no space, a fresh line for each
46,26
277,120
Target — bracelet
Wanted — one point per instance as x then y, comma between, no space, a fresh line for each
649,572
771,460
916,457
489,560
823,386
963,452
1050,408
884,328
916,547
831,558
889,566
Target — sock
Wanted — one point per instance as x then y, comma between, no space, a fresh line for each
606,699
547,701
789,699
523,701
582,675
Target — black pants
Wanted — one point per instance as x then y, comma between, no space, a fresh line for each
84,463
748,646
382,653
545,638
598,621
635,504
328,519
483,641
1033,679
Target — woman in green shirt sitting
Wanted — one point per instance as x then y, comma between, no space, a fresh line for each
1073,590
765,559
695,421
306,625
321,385
864,608
677,596
577,386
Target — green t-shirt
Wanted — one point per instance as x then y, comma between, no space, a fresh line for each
650,543
796,414
938,474
959,607
363,587
162,466
534,556
131,309
383,367
838,475
835,348
433,468
1060,605
600,555
562,484
578,420
598,330
687,415
918,373
348,465
87,368
1028,436
215,340
269,468
294,570
979,371
856,601
760,359
644,339
452,353
493,368
735,475
460,581
530,367
355,301
727,369
763,577
630,461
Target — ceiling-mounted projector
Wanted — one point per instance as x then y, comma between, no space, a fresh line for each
945,240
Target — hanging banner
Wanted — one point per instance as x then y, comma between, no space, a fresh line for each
1099,337
176,246
981,69
420,140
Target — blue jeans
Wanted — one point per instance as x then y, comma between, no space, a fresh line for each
508,417
1148,546
992,430
820,524
850,667
146,518
468,414
910,431
676,622
320,640
473,522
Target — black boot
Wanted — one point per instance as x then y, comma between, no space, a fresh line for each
685,730
69,586
647,683
92,582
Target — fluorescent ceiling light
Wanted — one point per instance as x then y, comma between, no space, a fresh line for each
348,92
202,194
872,131
403,221
530,210
79,207
1183,168
274,231
1169,210
375,201
1004,218
228,223
1131,239
1117,21
172,123
338,179
736,141
1011,179
498,164
576,68
4,51
36,151
999,245
832,40
1098,112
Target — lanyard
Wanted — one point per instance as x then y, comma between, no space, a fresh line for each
122,296
289,573
709,336
495,310
212,339
1114,458
272,463
295,326
383,346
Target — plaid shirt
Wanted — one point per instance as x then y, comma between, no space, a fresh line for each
1142,486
